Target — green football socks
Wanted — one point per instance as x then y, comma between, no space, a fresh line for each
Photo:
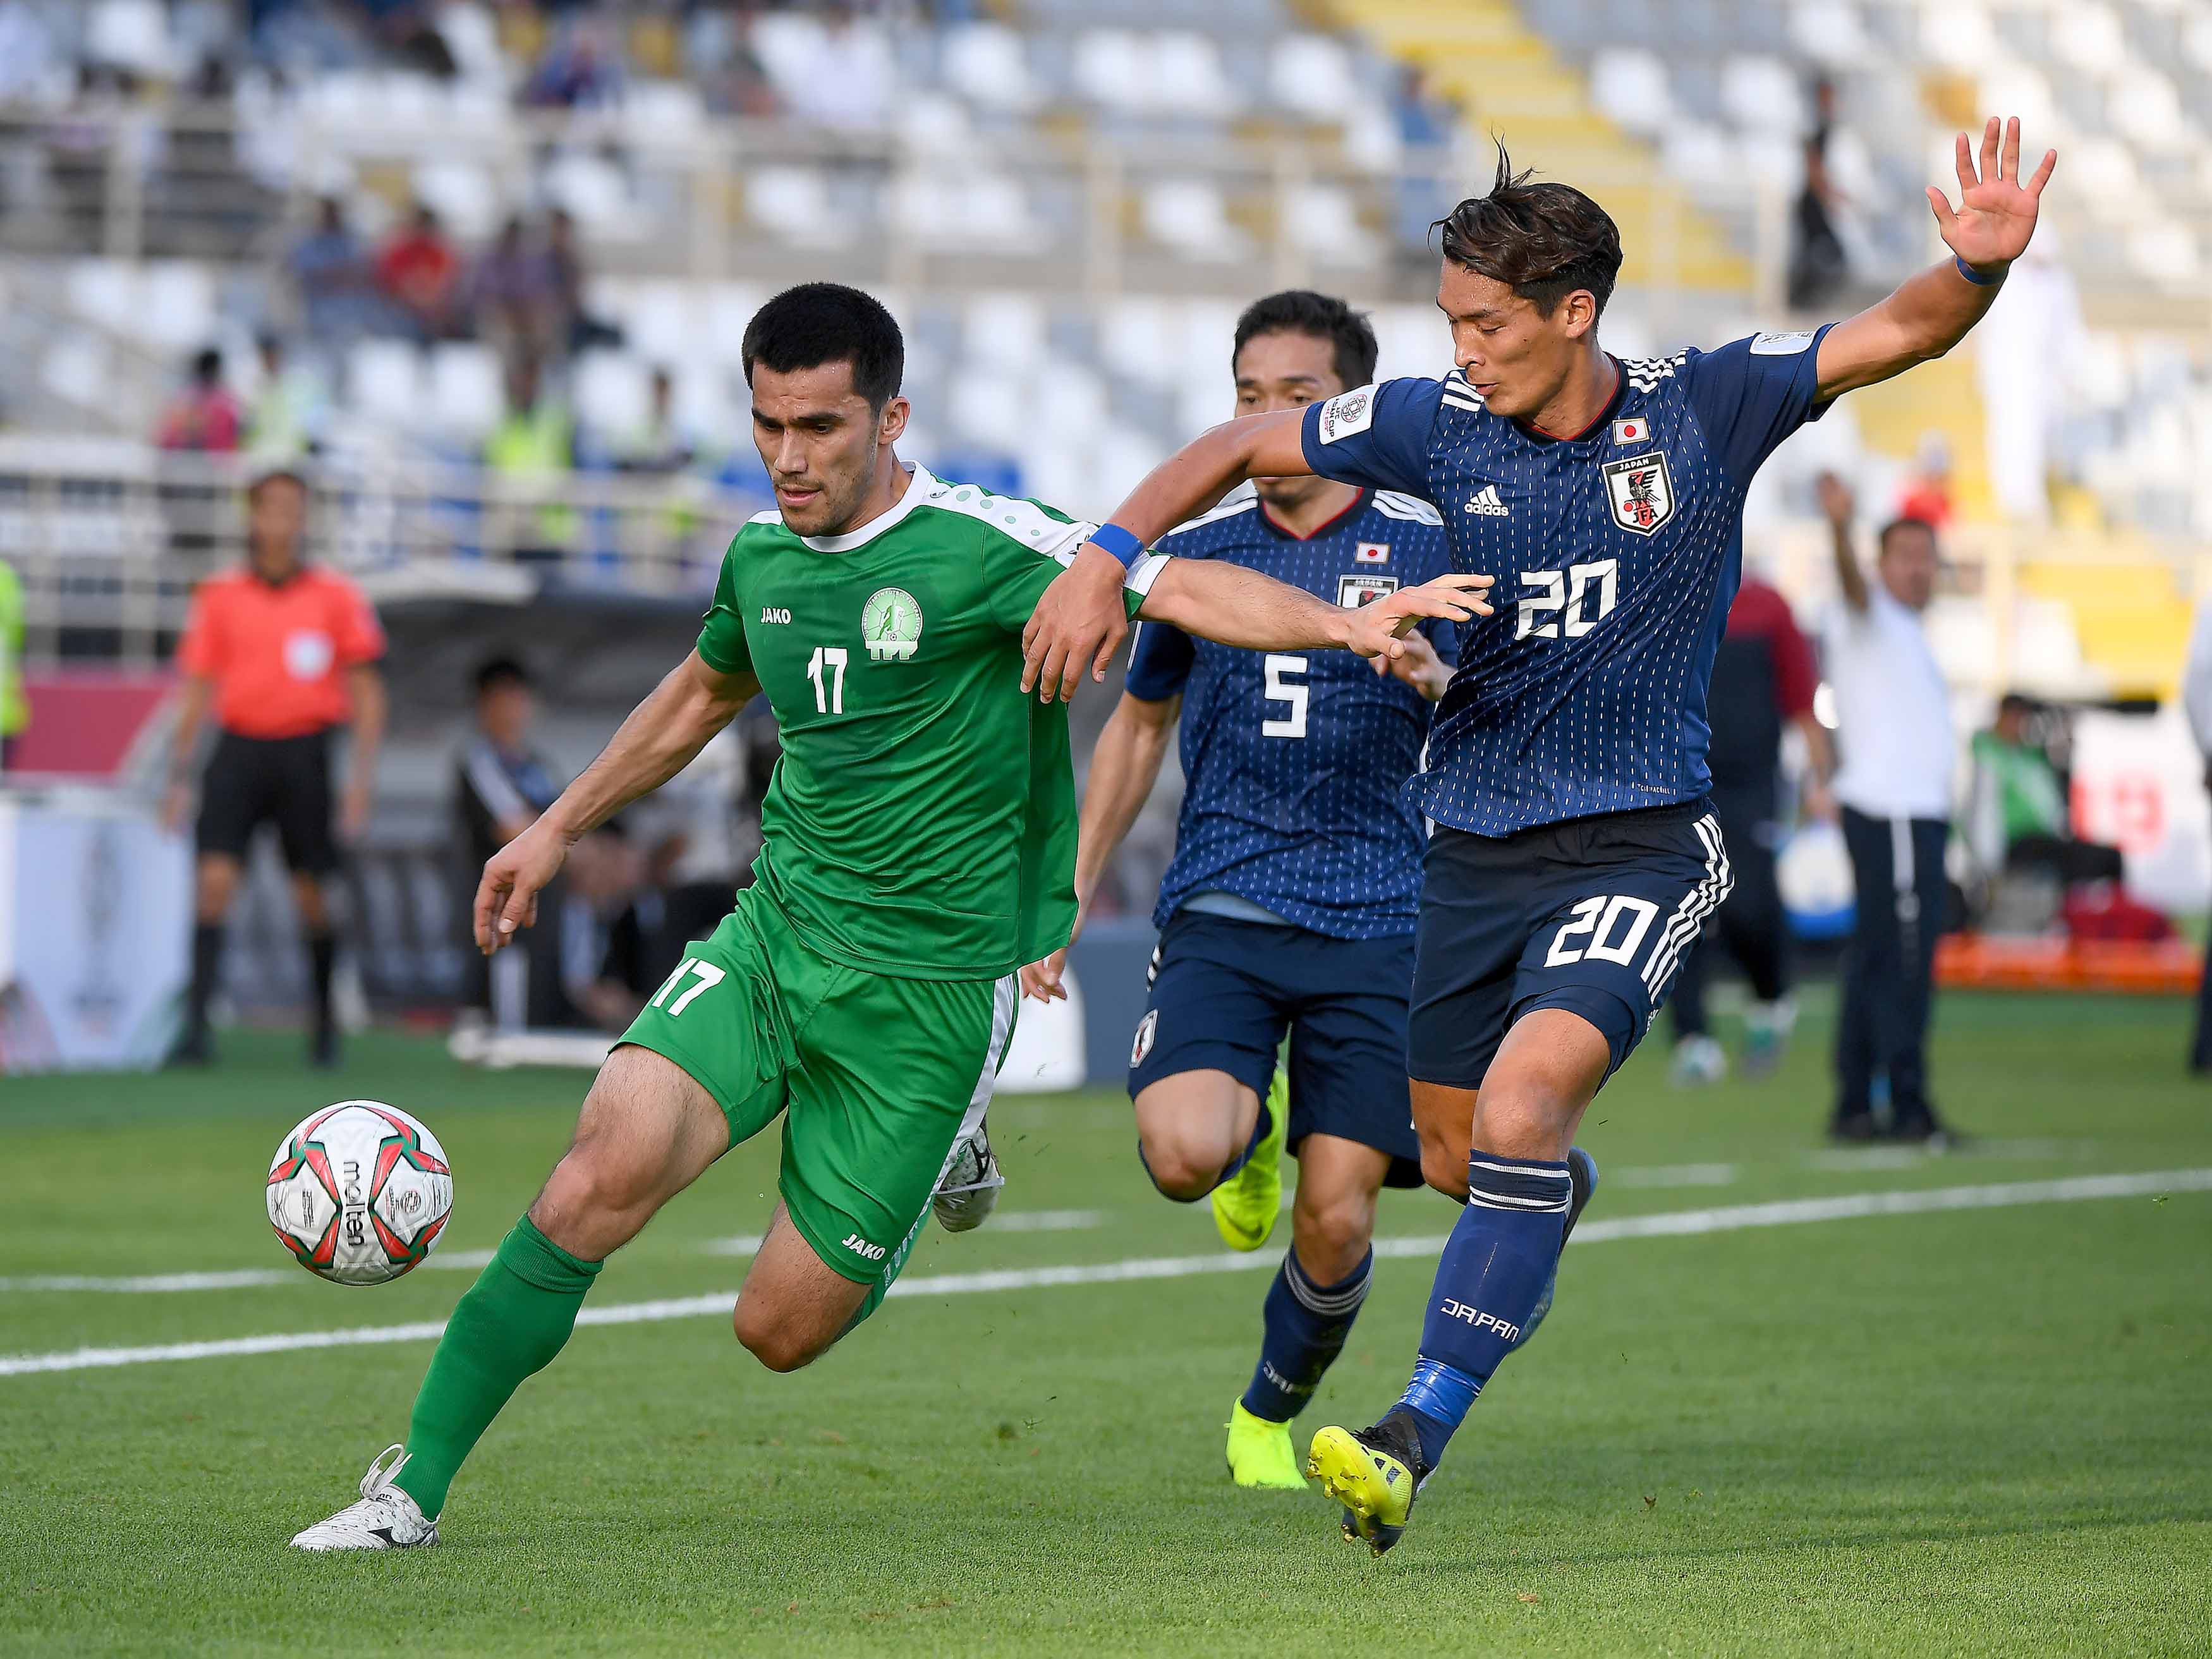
514,1319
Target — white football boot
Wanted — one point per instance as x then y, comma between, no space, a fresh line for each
387,1518
968,1191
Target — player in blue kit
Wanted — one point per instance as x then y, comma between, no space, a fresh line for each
1290,904
1574,859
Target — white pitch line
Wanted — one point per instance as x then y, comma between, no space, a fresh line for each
1675,1175
1667,1224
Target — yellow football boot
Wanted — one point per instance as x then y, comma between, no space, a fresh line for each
1260,1452
1374,1472
1246,1205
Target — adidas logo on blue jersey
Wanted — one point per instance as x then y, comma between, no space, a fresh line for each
1484,501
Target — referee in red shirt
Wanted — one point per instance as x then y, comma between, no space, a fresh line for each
286,651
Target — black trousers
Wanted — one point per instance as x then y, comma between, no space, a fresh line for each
1889,968
2200,1046
1751,925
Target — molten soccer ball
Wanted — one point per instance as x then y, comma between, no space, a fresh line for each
360,1192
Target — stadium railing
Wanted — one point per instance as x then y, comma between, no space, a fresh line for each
109,537
1062,204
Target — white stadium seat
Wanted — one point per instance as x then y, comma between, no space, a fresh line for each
613,395
462,195
988,406
2087,38
177,302
1189,216
1004,330
1762,94
384,381
1325,220
793,202
467,396
1629,87
1111,70
1312,74
985,65
1186,78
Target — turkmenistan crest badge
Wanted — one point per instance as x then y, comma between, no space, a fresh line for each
890,624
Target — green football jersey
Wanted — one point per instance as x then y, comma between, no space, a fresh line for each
921,822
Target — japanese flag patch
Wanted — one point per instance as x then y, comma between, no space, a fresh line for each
1371,553
1635,430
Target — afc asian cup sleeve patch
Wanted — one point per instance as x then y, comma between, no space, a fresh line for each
1782,345
1148,1028
1347,413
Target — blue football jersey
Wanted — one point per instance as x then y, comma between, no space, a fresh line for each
1295,762
1616,553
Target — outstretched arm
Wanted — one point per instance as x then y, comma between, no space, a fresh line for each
1081,618
1124,766
1232,606
662,736
1837,505
1930,312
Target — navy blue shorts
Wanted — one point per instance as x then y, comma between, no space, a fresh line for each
1593,915
1224,991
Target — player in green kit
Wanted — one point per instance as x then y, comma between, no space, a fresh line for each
919,847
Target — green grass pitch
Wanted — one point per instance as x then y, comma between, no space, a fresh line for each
1968,1432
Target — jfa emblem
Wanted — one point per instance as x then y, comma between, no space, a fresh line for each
1353,592
1371,553
1640,492
1147,1028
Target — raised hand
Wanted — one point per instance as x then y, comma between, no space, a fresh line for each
1996,212
506,897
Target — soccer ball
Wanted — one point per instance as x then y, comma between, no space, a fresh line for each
359,1192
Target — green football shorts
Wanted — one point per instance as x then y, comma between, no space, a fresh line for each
876,1077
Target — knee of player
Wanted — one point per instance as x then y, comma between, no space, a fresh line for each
768,1340
1181,1170
1443,1166
592,1180
1334,1233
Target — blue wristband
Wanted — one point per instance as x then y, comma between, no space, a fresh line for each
1976,276
1121,543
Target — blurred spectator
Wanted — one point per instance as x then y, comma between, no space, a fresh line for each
1818,265
284,420
501,784
721,61
205,414
512,297
419,274
2016,816
532,449
1425,125
581,69
1763,682
660,446
1927,493
331,270
2197,703
847,83
14,703
1894,720
572,326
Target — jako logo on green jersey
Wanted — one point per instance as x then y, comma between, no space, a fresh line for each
890,624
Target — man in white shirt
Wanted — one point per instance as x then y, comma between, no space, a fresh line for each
2197,703
1893,729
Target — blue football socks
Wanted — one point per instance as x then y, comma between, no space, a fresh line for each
1493,1275
1306,1327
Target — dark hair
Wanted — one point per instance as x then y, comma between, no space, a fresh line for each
206,366
262,477
496,671
2016,702
1543,242
818,322
1324,316
1908,522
